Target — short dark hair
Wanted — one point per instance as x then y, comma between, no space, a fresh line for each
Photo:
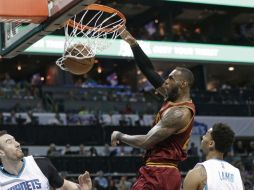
187,75
3,132
223,137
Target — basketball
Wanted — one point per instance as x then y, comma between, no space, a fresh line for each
79,65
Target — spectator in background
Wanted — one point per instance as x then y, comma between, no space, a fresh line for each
83,111
101,181
52,151
140,121
121,151
73,119
112,184
136,151
93,151
39,107
12,119
31,119
251,149
124,184
245,175
82,150
17,107
8,81
36,80
193,151
17,92
128,109
239,148
106,150
20,120
67,150
56,120
72,96
123,121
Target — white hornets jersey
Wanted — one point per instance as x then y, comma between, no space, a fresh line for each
29,178
221,175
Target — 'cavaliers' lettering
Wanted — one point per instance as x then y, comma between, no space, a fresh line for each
27,185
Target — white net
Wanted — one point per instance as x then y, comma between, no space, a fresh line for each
90,33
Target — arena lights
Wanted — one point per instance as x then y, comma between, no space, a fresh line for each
231,68
19,67
99,69
235,3
205,53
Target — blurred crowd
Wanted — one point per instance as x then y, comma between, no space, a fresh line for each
240,34
79,102
83,150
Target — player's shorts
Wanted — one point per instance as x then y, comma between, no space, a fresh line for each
158,178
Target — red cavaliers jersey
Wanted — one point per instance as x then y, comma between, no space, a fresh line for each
174,148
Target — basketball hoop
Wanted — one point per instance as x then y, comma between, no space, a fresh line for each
94,28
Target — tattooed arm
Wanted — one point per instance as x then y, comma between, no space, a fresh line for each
173,120
195,179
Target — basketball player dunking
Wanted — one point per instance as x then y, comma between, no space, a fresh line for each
29,173
167,141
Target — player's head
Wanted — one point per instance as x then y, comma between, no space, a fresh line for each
219,138
179,81
9,148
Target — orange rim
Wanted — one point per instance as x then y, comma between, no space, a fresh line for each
97,7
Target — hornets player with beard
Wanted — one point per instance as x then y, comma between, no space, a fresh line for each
28,173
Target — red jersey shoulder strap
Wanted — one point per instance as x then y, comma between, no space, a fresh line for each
167,105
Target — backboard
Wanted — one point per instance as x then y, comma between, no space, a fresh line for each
18,33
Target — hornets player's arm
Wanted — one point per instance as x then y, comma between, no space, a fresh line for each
85,183
57,182
195,179
173,120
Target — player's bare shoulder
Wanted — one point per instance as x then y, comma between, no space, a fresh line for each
177,117
197,176
201,172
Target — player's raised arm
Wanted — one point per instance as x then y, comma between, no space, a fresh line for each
143,62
